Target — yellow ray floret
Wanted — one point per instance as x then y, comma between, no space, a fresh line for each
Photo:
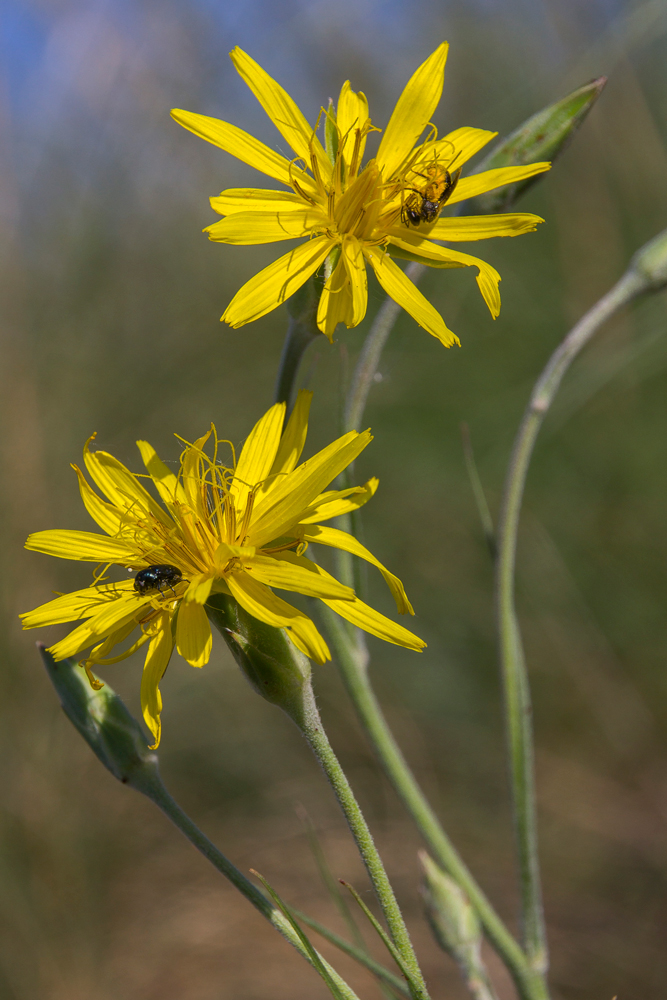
353,214
241,529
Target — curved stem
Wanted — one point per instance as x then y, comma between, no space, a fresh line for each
352,662
515,681
307,718
369,359
154,789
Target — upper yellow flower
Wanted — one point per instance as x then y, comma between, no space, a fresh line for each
355,215
239,530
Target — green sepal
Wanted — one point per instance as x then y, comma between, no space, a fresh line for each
103,720
331,132
276,669
400,253
544,136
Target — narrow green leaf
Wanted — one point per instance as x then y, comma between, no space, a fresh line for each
349,949
544,136
384,937
312,954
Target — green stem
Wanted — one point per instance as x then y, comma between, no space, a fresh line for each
352,661
298,337
371,352
515,681
151,785
304,713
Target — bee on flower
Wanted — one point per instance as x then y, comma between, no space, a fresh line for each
239,530
351,215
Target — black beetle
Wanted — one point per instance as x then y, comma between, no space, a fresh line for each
157,577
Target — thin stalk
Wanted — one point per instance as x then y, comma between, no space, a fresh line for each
153,788
369,358
306,716
298,337
515,680
352,661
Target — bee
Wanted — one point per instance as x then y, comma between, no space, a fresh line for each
157,577
426,204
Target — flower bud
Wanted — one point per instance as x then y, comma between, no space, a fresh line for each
103,720
544,136
455,926
650,263
276,669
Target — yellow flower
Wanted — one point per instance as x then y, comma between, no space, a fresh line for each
356,215
240,531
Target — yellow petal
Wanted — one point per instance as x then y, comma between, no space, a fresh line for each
193,634
256,200
483,227
157,660
194,466
402,290
258,454
281,109
413,112
457,147
352,115
291,495
437,256
109,617
372,621
121,487
266,227
244,147
84,546
335,305
339,502
276,282
200,588
109,518
262,603
287,571
355,265
470,187
294,436
78,604
341,540
166,482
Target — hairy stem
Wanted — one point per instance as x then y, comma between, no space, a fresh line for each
307,718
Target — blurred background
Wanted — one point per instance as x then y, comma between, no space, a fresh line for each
112,298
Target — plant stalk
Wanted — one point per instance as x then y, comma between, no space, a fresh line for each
352,660
518,721
154,789
307,718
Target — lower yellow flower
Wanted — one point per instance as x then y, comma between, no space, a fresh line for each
240,530
355,215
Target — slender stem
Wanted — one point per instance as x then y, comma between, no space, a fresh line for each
298,337
352,662
516,690
369,359
307,718
152,787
